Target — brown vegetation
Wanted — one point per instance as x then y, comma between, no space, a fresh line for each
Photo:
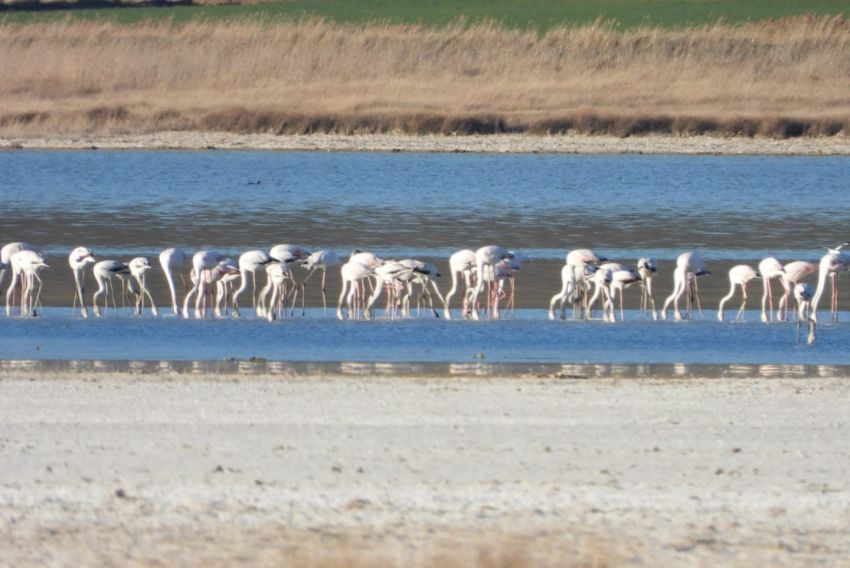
781,79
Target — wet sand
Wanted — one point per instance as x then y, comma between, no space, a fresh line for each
504,143
166,469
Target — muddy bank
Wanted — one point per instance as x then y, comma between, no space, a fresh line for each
504,143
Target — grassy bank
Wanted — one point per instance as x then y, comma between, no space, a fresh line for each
774,78
541,15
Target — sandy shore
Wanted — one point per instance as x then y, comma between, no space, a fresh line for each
507,143
131,470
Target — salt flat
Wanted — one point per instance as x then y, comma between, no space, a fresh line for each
124,469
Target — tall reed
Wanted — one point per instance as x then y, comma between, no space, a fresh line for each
782,78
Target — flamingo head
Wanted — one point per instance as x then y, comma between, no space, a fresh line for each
427,269
139,264
647,264
81,256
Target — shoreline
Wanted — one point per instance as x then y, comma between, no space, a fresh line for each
479,144
231,369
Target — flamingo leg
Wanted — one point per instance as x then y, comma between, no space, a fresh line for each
740,315
696,295
324,299
834,281
770,300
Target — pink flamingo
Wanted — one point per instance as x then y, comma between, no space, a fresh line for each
769,268
792,274
834,261
423,274
25,265
6,256
486,258
203,263
582,262
249,263
620,280
393,276
647,268
461,265
173,260
277,276
353,274
560,298
103,272
319,260
140,266
803,296
601,285
79,258
602,278
689,266
739,275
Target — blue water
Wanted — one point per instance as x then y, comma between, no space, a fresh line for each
529,338
141,201
126,203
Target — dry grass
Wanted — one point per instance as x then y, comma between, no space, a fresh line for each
779,78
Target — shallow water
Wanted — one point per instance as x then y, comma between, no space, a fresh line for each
527,338
124,204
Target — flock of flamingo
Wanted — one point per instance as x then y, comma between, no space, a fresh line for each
487,276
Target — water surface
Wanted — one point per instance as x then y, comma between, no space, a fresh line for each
126,203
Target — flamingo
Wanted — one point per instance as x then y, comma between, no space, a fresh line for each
834,261
769,268
223,276
139,266
103,272
486,257
602,278
739,275
581,263
224,289
213,282
173,260
423,273
620,280
276,280
494,279
203,262
6,256
598,284
25,265
287,253
689,266
276,274
319,260
368,258
394,276
803,296
461,265
647,269
509,268
250,262
792,274
353,274
566,289
79,258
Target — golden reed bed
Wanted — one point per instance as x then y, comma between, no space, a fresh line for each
781,78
